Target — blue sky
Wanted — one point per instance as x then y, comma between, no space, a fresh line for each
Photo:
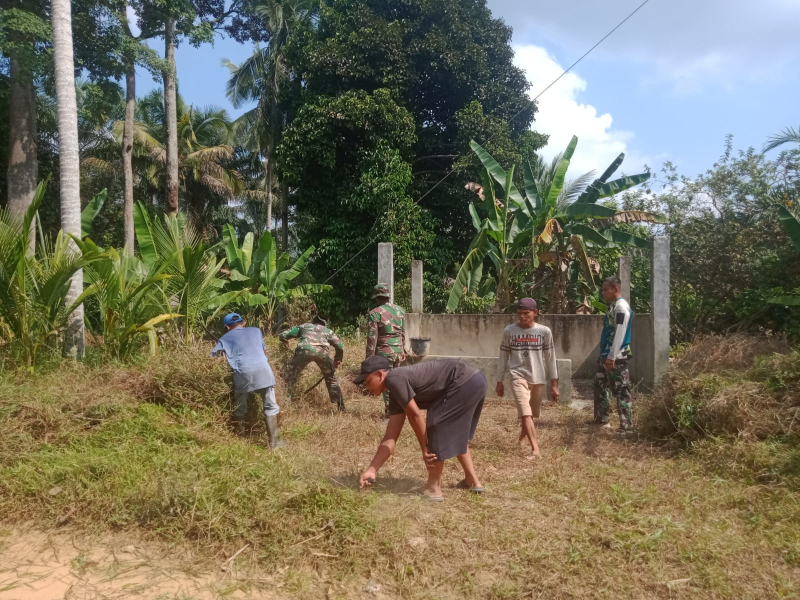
668,85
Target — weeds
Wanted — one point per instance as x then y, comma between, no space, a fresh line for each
144,450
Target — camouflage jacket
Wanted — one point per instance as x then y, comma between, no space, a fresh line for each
387,331
314,338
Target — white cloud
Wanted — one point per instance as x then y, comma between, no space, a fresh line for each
685,44
562,115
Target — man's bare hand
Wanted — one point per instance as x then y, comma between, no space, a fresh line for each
429,458
500,389
609,364
367,478
285,342
336,363
554,391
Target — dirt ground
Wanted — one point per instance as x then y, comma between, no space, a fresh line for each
599,516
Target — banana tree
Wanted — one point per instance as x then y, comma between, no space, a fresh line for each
193,289
130,297
547,230
791,225
260,280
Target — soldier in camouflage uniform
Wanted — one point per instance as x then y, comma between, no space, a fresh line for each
386,334
314,340
612,367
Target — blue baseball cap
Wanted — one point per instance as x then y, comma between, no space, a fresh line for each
232,319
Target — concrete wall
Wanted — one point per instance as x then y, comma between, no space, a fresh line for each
576,338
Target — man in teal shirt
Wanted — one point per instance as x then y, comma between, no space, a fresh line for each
612,367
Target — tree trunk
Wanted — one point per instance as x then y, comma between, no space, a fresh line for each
23,167
127,150
269,194
285,215
69,160
171,116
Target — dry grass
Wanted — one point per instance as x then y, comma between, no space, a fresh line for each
742,386
144,450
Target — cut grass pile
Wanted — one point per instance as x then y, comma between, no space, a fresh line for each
144,450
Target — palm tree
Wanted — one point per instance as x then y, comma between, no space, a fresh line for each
261,79
787,136
170,117
69,159
205,157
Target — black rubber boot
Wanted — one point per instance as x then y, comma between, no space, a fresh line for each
272,430
238,427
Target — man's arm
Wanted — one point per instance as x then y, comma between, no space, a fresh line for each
622,317
217,350
385,449
417,422
372,335
502,362
551,367
338,346
289,334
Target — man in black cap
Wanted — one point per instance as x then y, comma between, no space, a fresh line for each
451,391
527,350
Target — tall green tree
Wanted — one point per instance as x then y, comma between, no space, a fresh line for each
347,159
435,58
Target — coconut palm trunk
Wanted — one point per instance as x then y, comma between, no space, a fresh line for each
171,116
285,215
23,167
127,150
269,193
69,160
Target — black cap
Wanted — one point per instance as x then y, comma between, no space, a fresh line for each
526,304
376,362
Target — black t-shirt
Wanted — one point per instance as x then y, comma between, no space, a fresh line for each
426,383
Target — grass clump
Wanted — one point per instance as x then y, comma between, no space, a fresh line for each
736,402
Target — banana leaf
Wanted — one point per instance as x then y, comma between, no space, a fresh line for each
91,211
791,225
480,248
496,171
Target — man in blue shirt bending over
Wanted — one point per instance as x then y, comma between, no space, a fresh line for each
615,350
245,349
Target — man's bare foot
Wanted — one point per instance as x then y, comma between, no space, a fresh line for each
432,491
535,455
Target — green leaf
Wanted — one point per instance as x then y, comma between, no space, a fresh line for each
232,252
587,233
533,200
480,247
599,305
620,185
588,210
561,172
496,171
785,300
90,212
476,220
626,239
791,225
592,193
144,234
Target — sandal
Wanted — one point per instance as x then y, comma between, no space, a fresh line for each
462,485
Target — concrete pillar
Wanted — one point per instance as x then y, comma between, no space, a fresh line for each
564,368
416,286
624,270
386,266
660,301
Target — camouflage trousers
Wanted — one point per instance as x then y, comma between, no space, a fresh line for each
302,357
617,381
